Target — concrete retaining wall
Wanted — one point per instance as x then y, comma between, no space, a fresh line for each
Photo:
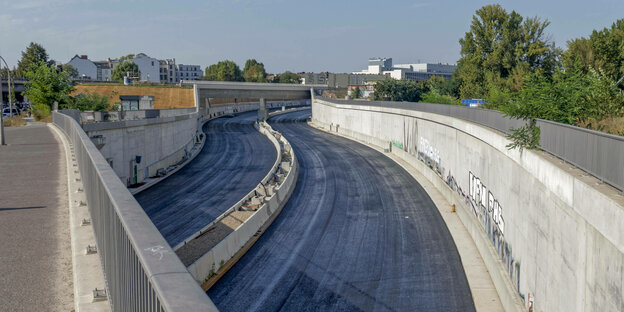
549,234
219,255
161,142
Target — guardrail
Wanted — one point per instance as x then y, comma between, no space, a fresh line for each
598,153
142,272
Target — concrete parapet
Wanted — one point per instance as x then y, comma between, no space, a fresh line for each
135,257
549,233
274,194
285,111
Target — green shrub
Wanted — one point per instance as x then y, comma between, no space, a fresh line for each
40,111
88,102
436,98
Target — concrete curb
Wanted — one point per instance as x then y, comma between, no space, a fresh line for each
218,260
87,270
505,294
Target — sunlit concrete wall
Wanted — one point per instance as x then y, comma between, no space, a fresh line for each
557,233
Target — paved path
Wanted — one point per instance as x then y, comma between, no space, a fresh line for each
35,250
233,161
358,233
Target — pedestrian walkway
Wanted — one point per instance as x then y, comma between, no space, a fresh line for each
35,246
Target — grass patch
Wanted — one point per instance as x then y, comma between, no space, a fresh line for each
16,121
612,125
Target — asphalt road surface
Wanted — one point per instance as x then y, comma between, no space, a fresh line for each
358,234
233,161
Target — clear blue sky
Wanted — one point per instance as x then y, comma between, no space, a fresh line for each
336,36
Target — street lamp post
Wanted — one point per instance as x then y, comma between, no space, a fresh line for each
2,141
1,112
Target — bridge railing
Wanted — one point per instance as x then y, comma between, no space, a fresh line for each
600,154
141,270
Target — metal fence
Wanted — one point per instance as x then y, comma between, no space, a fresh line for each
598,153
141,270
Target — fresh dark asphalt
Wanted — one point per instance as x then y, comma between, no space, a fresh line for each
35,249
358,233
233,161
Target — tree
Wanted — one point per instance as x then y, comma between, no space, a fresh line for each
399,90
224,71
288,77
34,54
570,96
500,49
70,70
47,85
603,50
355,92
443,86
254,71
127,57
124,67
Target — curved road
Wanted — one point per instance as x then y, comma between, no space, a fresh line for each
358,233
233,161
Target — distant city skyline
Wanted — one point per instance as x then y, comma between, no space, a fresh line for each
285,35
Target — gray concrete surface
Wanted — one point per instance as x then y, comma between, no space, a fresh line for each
359,233
35,254
87,269
234,159
161,142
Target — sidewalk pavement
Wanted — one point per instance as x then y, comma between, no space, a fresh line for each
35,250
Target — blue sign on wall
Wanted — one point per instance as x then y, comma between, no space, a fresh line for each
472,102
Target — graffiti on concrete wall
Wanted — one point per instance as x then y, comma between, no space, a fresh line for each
430,155
483,204
481,196
489,211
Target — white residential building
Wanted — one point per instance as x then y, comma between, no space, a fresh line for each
151,69
418,71
188,72
172,73
87,70
148,66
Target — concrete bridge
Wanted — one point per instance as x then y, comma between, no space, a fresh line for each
205,90
530,231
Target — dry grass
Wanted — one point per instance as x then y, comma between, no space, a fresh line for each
169,97
16,121
613,125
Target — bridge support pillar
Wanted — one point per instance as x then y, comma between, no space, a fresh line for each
263,114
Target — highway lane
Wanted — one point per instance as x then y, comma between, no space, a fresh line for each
358,233
233,161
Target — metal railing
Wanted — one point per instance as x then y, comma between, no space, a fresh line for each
141,270
599,154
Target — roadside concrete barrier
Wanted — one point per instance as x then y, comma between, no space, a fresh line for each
266,201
